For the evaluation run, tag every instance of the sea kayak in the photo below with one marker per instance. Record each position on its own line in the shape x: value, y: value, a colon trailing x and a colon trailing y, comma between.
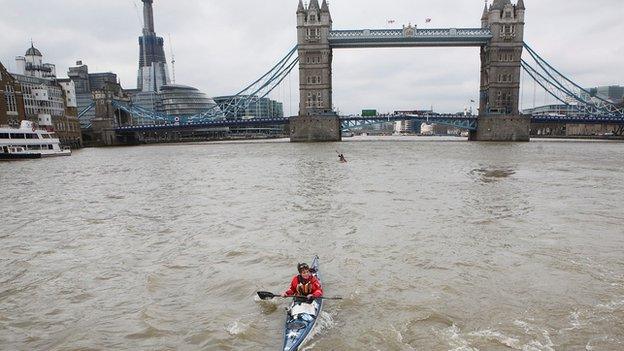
x: 301, y: 317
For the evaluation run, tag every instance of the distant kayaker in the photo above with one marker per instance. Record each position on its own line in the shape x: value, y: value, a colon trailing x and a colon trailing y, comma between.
x: 304, y: 284
x: 341, y: 158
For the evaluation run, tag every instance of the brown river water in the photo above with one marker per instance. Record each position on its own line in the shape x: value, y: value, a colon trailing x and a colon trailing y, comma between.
x: 434, y: 244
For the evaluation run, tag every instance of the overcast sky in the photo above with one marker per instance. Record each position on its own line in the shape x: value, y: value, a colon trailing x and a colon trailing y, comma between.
x: 220, y: 45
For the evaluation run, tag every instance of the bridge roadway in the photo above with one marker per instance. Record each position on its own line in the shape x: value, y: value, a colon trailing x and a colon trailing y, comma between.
x: 459, y: 121
x: 409, y: 37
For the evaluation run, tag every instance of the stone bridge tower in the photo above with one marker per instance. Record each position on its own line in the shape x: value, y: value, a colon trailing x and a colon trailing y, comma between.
x: 315, y: 58
x: 316, y: 120
x: 107, y: 117
x: 499, y: 115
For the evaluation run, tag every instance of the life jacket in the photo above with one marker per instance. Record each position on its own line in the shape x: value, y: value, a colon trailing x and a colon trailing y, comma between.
x: 304, y: 287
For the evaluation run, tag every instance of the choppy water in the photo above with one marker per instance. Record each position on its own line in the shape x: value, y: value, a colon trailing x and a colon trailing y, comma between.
x: 435, y: 245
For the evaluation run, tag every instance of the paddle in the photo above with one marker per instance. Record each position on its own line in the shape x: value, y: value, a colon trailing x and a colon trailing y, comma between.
x: 265, y: 295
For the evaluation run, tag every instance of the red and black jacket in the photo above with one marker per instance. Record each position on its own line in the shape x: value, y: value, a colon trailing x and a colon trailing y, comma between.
x: 302, y: 287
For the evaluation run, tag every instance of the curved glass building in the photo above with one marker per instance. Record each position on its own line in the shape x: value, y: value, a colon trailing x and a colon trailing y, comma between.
x: 184, y: 101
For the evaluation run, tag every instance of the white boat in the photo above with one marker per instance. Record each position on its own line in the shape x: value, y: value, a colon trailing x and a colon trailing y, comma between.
x: 27, y: 141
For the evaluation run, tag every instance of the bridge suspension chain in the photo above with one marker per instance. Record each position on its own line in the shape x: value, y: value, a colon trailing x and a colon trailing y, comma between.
x: 260, y: 88
x: 241, y: 101
x: 564, y: 89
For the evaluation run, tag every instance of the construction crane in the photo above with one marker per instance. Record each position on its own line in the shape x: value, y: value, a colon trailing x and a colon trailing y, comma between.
x: 172, y: 61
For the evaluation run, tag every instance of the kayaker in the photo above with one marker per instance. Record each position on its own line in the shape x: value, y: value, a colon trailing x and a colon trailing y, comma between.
x: 304, y: 284
x: 341, y: 158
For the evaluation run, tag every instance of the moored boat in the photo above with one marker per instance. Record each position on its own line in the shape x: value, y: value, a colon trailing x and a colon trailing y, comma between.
x: 27, y: 142
x: 301, y: 317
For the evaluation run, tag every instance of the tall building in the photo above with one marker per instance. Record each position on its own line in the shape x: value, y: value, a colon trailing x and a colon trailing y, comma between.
x: 153, y: 72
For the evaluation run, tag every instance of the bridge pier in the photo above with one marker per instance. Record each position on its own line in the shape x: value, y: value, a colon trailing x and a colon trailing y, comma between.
x: 315, y: 129
x: 502, y: 128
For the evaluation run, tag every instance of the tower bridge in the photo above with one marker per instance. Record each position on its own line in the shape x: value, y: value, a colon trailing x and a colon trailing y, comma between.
x: 501, y: 39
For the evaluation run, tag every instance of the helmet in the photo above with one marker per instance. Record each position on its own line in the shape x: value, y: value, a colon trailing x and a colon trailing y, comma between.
x: 302, y: 266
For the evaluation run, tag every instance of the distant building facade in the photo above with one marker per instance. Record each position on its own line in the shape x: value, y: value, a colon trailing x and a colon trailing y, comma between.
x: 31, y: 65
x: 12, y: 110
x: 182, y: 100
x: 48, y: 101
x: 554, y: 109
x: 559, y: 129
x: 407, y: 127
x: 263, y: 107
x: 613, y: 93
x: 85, y: 84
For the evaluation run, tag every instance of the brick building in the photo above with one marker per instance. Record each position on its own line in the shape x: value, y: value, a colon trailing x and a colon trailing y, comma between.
x: 11, y: 100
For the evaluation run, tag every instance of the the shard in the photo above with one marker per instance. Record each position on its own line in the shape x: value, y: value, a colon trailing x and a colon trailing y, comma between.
x: 153, y: 72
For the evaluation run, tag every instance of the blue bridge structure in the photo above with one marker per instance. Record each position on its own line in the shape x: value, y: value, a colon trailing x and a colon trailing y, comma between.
x: 504, y: 54
x: 465, y: 122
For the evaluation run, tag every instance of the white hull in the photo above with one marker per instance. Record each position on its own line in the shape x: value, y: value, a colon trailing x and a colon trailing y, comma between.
x: 29, y: 142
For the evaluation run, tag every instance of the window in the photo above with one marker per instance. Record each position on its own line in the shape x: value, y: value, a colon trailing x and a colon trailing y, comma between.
x: 32, y: 136
x: 504, y: 78
x: 314, y: 79
x: 506, y: 56
x: 507, y: 14
x: 11, y: 101
x: 17, y: 136
x: 313, y: 33
x: 508, y: 31
x: 313, y: 59
x: 314, y: 17
x: 4, y: 135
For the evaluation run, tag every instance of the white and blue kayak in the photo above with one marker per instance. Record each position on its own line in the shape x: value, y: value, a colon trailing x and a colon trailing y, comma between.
x: 301, y: 317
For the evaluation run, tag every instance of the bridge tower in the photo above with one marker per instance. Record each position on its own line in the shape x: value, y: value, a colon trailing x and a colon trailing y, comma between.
x: 499, y: 116
x: 316, y: 120
x: 107, y: 117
